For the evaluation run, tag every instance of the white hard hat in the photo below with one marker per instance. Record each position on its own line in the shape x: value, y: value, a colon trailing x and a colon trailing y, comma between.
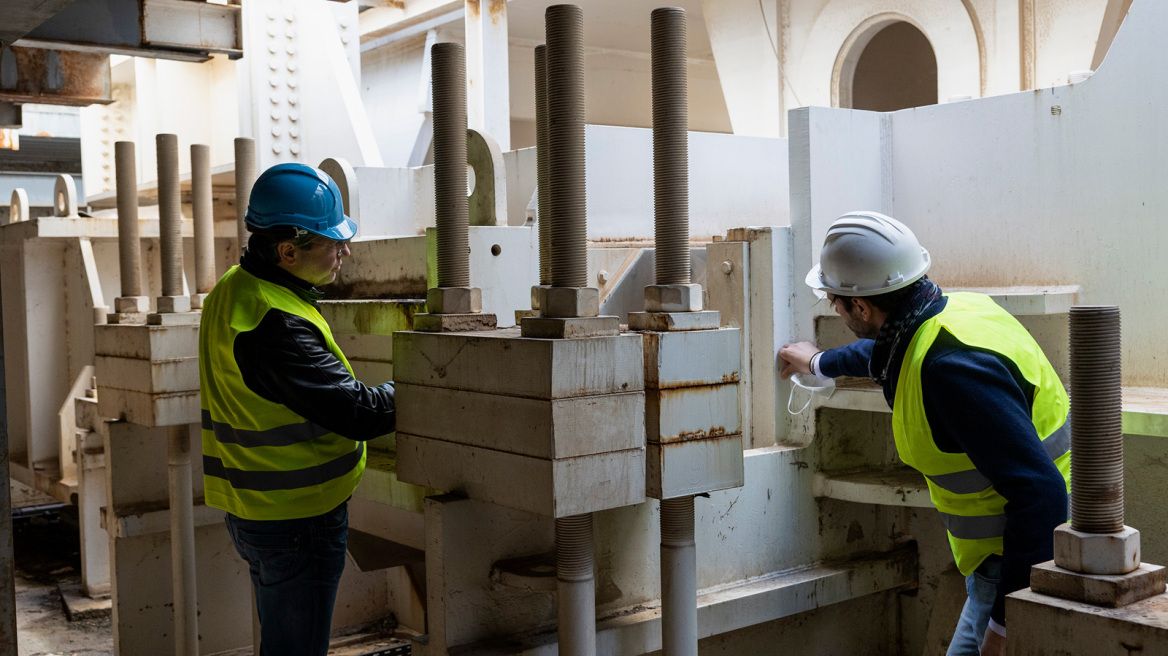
x: 865, y: 254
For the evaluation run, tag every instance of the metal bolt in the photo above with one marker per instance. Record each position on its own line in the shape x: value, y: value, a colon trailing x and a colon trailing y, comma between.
x: 670, y: 146
x: 448, y: 75
x: 169, y: 215
x: 1055, y: 110
x: 727, y: 267
x: 1096, y: 419
x: 201, y: 207
x: 129, y: 246
x: 564, y: 27
x: 245, y: 175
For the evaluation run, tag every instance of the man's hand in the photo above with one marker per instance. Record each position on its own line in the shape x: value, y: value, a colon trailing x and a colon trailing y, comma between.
x: 796, y: 359
x: 993, y: 644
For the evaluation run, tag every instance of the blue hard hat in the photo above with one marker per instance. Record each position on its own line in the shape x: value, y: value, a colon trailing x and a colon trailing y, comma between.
x: 301, y: 196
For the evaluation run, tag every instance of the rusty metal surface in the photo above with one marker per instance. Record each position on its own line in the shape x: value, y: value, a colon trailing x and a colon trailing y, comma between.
x: 54, y: 77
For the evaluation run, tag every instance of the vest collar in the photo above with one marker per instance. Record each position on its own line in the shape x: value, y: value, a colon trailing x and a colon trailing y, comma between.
x: 256, y: 266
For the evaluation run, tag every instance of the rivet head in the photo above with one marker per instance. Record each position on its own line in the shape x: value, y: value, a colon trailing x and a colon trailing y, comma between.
x: 274, y: 81
x: 345, y: 21
x: 292, y: 83
x: 273, y: 64
x: 345, y: 39
x: 294, y: 149
x: 272, y: 31
x: 293, y: 99
x: 294, y: 132
x: 290, y: 33
x: 277, y: 148
x: 293, y: 115
x: 276, y: 114
x: 291, y: 49
x: 291, y: 67
x: 273, y: 48
x: 276, y: 131
x: 727, y: 267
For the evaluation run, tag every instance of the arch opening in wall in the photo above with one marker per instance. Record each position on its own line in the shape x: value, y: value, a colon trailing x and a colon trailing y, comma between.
x: 888, y: 64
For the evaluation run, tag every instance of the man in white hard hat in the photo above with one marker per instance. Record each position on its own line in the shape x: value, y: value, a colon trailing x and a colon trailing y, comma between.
x: 976, y: 408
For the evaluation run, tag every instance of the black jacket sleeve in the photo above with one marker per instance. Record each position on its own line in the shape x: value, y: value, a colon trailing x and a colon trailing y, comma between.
x: 974, y: 403
x: 285, y: 360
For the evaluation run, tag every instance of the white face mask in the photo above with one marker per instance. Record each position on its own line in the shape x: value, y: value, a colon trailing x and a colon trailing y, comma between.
x: 813, y: 385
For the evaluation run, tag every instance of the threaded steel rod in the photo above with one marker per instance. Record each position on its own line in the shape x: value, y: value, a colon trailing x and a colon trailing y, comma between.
x: 182, y: 540
x: 169, y: 215
x: 448, y: 68
x: 204, y: 222
x: 541, y: 167
x: 670, y: 146
x: 575, y: 586
x: 564, y: 25
x: 679, y: 582
x: 129, y: 245
x: 1096, y: 419
x: 245, y: 175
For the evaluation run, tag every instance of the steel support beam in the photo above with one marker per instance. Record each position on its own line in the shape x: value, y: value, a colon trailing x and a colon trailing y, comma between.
x: 54, y: 77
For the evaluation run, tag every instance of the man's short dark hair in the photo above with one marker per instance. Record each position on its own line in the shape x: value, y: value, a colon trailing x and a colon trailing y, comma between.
x: 263, y: 242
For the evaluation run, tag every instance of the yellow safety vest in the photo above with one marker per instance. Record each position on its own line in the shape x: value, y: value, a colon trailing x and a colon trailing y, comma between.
x: 261, y: 460
x: 972, y: 511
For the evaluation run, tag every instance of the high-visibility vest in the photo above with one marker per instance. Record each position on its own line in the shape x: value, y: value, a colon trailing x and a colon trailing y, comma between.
x: 971, y: 509
x: 261, y: 460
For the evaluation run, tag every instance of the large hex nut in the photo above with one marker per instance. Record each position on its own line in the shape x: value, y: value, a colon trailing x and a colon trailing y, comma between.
x: 131, y: 304
x: 1097, y: 553
x: 454, y: 300
x: 570, y: 302
x: 174, y: 304
x: 673, y: 298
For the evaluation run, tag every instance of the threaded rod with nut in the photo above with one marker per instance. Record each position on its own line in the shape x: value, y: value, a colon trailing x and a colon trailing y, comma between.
x: 201, y: 200
x: 564, y: 25
x: 670, y: 146
x: 541, y: 167
x: 245, y: 175
x: 129, y: 245
x: 169, y: 215
x: 1096, y: 419
x: 448, y: 68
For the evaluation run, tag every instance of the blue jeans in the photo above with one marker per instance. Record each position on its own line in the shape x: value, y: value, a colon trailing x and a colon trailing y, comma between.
x: 982, y: 588
x: 295, y: 566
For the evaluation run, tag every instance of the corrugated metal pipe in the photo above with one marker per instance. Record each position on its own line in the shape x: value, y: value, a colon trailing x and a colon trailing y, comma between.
x: 541, y: 167
x: 448, y: 73
x: 575, y: 585
x: 679, y: 578
x: 245, y: 175
x: 1096, y: 419
x: 670, y: 145
x: 182, y: 540
x: 169, y: 215
x: 129, y: 245
x: 201, y: 207
x: 564, y: 27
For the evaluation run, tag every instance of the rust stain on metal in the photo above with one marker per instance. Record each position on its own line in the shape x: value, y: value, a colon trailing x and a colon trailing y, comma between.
x: 58, y: 77
x: 496, y: 9
x: 472, y: 8
x: 714, y: 433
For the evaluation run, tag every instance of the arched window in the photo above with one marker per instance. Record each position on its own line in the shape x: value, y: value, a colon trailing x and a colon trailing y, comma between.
x: 896, y: 69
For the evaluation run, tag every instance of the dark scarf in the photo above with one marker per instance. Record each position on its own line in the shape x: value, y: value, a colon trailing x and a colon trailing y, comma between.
x: 258, y: 267
x: 898, y: 331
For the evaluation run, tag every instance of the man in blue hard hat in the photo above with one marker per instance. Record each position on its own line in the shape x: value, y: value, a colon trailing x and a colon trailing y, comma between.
x: 284, y: 420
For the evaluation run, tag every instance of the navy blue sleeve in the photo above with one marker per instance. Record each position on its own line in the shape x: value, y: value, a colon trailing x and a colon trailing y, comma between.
x: 850, y: 360
x: 973, y: 400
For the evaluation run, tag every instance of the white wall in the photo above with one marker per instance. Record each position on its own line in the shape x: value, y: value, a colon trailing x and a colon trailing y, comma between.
x: 1004, y: 192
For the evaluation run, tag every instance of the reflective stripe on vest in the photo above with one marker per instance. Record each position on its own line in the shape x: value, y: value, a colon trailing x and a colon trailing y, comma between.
x: 971, y: 509
x: 971, y: 480
x: 261, y: 460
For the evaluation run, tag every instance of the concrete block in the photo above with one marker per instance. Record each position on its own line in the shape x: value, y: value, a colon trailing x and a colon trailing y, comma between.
x: 365, y: 347
x: 171, y: 304
x: 132, y: 304
x: 569, y: 302
x: 155, y: 343
x: 1111, y: 591
x: 543, y: 327
x: 1042, y: 625
x: 691, y: 413
x: 700, y: 357
x: 174, y: 318
x: 503, y: 362
x: 673, y: 298
x: 370, y: 316
x: 553, y: 488
x: 1097, y: 553
x: 126, y: 317
x: 197, y: 301
x: 673, y: 321
x: 454, y: 300
x: 454, y: 323
x: 687, y: 468
x: 556, y: 428
x: 371, y: 372
x: 145, y: 409
x: 177, y: 375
